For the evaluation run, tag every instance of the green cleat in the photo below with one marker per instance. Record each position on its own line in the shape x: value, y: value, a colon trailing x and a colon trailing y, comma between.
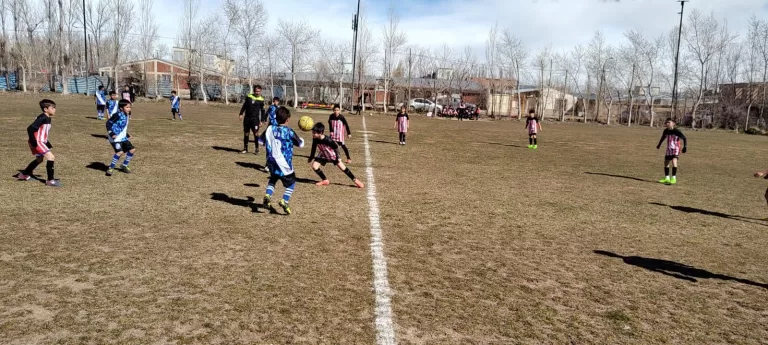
x: 530, y: 147
x: 673, y: 180
x: 535, y: 147
x: 664, y: 180
x: 267, y: 203
x: 285, y: 207
x: 110, y: 171
x: 125, y: 169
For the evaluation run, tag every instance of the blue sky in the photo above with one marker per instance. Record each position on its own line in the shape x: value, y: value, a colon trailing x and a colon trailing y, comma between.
x: 558, y: 23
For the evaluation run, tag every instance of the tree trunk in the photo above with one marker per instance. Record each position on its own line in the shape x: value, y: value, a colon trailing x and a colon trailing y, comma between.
x: 295, y: 91
x: 64, y: 52
x: 202, y: 80
x: 517, y: 88
x: 585, y: 100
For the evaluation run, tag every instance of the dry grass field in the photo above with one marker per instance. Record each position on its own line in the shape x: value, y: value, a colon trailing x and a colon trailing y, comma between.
x: 487, y: 242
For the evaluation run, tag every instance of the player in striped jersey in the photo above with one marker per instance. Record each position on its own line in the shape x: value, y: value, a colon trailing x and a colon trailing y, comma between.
x: 338, y: 125
x: 101, y: 103
x: 673, y: 137
x: 128, y: 96
x: 175, y: 105
x: 327, y: 152
x: 279, y: 141
x: 533, y: 126
x: 40, y: 145
x: 401, y: 124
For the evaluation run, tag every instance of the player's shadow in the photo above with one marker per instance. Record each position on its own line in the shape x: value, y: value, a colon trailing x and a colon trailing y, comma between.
x: 311, y: 181
x: 687, y: 209
x: 101, y: 136
x: 255, y: 185
x: 99, y: 166
x: 251, y: 166
x: 620, y: 176
x: 676, y: 269
x: 249, y: 202
x: 32, y: 177
x: 227, y: 149
x: 92, y: 117
x: 383, y: 142
x: 507, y: 145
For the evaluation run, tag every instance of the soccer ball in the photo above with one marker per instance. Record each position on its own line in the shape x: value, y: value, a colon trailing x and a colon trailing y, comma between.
x: 306, y: 123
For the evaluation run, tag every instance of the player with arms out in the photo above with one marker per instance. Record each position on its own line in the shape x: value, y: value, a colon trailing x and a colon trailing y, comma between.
x: 175, y: 105
x: 253, y: 108
x: 39, y: 144
x: 279, y: 141
x: 338, y: 128
x: 673, y: 137
x: 533, y: 126
x: 119, y: 138
x: 328, y: 153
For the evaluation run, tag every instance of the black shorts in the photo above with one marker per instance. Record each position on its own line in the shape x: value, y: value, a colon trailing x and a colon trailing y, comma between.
x: 669, y: 158
x: 250, y: 124
x: 174, y: 111
x: 323, y: 161
x: 288, y: 180
x: 101, y: 107
x: 531, y: 135
x: 124, y: 146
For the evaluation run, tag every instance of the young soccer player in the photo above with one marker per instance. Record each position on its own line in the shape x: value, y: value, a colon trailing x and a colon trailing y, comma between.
x: 101, y: 103
x: 175, y: 105
x: 119, y: 138
x: 278, y: 141
x: 533, y: 126
x: 338, y: 125
x: 112, y: 104
x: 128, y: 96
x: 673, y: 137
x: 253, y: 107
x: 401, y: 124
x: 328, y: 153
x: 39, y: 144
x: 272, y: 111
x: 763, y: 174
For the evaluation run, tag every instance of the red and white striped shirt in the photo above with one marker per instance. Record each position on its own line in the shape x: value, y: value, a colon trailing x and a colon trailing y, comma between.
x: 339, y: 127
x: 38, y: 130
x: 402, y: 122
x: 326, y: 149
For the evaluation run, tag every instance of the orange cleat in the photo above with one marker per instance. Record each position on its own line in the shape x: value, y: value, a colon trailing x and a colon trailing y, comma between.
x: 359, y: 184
x: 323, y: 183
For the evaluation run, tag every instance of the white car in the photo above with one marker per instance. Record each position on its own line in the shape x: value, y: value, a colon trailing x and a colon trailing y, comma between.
x: 422, y: 104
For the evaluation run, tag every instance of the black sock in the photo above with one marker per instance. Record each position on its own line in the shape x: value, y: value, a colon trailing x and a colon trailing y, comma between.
x: 403, y: 137
x: 530, y: 141
x: 674, y: 171
x: 245, y: 142
x: 349, y: 174
x: 346, y: 151
x: 535, y: 141
x: 320, y: 173
x: 666, y: 171
x: 31, y: 167
x: 49, y: 169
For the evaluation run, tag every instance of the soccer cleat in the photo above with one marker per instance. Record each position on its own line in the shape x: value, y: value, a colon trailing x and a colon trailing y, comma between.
x: 359, y: 184
x: 530, y: 147
x: 285, y: 207
x: 22, y: 177
x: 535, y: 147
x: 110, y: 171
x: 53, y: 183
x: 244, y: 151
x: 125, y: 169
x: 323, y: 183
x: 665, y: 180
x: 267, y: 203
x: 673, y: 180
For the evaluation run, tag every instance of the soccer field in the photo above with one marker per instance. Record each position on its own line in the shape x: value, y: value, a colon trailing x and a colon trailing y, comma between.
x: 486, y: 241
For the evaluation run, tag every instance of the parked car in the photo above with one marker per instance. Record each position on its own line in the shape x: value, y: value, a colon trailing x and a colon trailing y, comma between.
x: 422, y: 104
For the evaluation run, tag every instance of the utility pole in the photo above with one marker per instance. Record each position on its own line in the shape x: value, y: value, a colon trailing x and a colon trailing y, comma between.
x: 677, y: 57
x: 341, y: 81
x: 565, y: 100
x: 410, y: 62
x: 354, y: 53
x: 85, y: 41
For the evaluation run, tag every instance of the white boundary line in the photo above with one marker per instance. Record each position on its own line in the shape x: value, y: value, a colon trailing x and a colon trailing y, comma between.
x: 385, y: 331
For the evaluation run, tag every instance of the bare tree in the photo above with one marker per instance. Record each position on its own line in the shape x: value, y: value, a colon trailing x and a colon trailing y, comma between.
x: 464, y: 69
x: 63, y: 50
x: 762, y: 47
x: 147, y: 37
x: 514, y: 52
x: 575, y: 63
x: 186, y: 37
x: 491, y: 57
x: 331, y: 55
x: 366, y: 52
x: 248, y: 28
x: 5, y: 58
x: 26, y: 18
x: 394, y: 40
x: 121, y: 25
x: 298, y: 35
x: 704, y: 39
x: 99, y: 17
x: 753, y: 52
x: 598, y: 53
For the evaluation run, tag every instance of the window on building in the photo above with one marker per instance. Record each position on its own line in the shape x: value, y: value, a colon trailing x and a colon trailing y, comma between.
x: 178, y: 56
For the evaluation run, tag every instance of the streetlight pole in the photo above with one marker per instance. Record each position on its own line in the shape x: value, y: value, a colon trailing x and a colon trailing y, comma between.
x: 354, y: 55
x: 85, y: 41
x: 677, y: 59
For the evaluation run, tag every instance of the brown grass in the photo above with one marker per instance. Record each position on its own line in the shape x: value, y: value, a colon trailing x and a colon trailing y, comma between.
x: 488, y: 242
